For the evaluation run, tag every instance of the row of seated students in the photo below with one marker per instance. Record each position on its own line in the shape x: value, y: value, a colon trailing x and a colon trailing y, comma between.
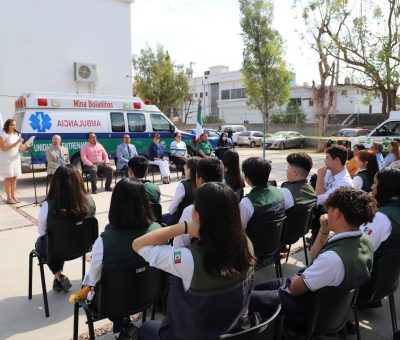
x: 211, y: 252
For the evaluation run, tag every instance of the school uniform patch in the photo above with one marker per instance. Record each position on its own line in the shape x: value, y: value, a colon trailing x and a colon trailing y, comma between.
x: 177, y: 257
x: 367, y: 230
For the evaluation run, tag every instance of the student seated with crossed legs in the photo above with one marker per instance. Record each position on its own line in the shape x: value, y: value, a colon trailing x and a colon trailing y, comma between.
x: 345, y: 260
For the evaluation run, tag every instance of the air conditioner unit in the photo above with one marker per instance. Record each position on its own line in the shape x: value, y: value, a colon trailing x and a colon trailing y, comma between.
x: 85, y: 72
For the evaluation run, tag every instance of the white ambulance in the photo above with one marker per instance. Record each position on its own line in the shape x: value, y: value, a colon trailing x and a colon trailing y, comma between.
x: 72, y: 116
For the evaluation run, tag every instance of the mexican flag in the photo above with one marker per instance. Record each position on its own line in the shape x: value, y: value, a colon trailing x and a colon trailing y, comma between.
x: 199, y: 123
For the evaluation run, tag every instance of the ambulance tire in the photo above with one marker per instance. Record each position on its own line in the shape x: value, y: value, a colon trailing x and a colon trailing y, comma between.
x: 76, y: 162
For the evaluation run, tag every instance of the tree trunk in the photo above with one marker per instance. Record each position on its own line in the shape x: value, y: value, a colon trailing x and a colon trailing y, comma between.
x: 322, y: 131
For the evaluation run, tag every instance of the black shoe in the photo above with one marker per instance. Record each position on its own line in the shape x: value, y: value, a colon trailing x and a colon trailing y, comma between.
x: 94, y: 191
x: 108, y: 189
x: 65, y: 283
x: 57, y: 285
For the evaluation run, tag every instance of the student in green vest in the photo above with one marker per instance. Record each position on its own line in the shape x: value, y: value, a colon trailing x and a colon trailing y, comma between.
x: 297, y: 190
x: 264, y: 202
x: 67, y: 200
x: 184, y: 193
x: 130, y: 217
x: 384, y: 230
x: 211, y: 283
x: 204, y: 147
x: 345, y: 260
x: 367, y: 168
x: 138, y: 167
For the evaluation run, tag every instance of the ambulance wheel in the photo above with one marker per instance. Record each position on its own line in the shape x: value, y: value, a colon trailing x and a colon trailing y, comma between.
x: 76, y: 162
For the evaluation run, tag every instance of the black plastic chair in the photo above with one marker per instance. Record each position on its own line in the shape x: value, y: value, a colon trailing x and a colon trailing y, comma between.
x: 384, y: 282
x: 119, y: 172
x: 297, y: 225
x: 177, y: 167
x: 122, y: 290
x: 268, y: 330
x: 157, y: 211
x: 330, y: 311
x: 266, y: 239
x: 66, y: 240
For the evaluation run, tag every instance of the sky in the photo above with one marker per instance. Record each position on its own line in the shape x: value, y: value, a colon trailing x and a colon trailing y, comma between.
x: 207, y: 33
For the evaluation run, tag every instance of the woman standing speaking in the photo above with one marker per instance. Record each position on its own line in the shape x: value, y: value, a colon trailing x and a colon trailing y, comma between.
x: 10, y: 159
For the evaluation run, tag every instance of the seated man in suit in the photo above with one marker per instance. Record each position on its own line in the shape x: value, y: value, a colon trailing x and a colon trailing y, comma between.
x: 56, y: 155
x: 138, y: 167
x: 297, y: 190
x: 264, y: 202
x: 125, y: 152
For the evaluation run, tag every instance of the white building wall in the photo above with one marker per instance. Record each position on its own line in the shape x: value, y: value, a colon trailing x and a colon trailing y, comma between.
x: 236, y: 111
x: 41, y: 40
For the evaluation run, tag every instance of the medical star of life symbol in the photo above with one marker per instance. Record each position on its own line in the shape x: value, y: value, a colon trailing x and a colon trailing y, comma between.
x: 40, y: 121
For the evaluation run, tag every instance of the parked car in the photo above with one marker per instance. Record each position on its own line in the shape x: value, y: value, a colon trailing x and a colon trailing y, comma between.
x: 348, y: 133
x: 250, y: 138
x: 351, y: 132
x: 236, y: 129
x: 285, y: 139
x: 213, y: 136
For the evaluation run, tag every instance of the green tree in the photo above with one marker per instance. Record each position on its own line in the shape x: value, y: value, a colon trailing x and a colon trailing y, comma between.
x: 367, y: 36
x: 157, y: 79
x: 265, y: 72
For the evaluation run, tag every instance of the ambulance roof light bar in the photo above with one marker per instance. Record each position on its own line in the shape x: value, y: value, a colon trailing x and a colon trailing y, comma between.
x: 42, y: 101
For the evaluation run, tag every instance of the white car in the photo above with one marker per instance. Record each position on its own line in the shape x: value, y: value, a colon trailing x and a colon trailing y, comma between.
x: 250, y: 138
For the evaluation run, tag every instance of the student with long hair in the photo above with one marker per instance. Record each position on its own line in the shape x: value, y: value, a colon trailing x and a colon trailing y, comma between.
x: 367, y: 168
x: 393, y: 155
x: 66, y: 200
x: 130, y: 217
x: 224, y: 144
x: 10, y: 159
x: 210, y: 287
x: 232, y: 175
x: 184, y: 193
x: 384, y: 230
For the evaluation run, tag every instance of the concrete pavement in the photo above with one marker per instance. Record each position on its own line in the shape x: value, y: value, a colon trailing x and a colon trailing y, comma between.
x: 24, y: 319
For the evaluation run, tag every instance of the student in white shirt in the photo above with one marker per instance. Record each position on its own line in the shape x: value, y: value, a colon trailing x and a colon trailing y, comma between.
x: 334, y: 174
x: 345, y: 260
x: 66, y: 200
x: 184, y: 193
x: 211, y: 283
x: 207, y: 170
x: 367, y: 168
x: 130, y: 216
